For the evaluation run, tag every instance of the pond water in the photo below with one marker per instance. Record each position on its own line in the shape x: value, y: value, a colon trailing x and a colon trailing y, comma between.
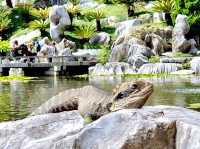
x: 18, y: 99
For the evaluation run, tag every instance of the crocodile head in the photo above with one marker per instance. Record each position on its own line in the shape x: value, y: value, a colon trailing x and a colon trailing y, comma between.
x: 131, y: 95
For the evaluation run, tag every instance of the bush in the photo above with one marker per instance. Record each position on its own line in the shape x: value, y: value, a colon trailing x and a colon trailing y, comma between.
x: 40, y: 13
x: 4, y: 21
x: 42, y: 25
x: 154, y: 59
x: 4, y: 46
x: 190, y: 8
x: 104, y: 55
x: 166, y: 6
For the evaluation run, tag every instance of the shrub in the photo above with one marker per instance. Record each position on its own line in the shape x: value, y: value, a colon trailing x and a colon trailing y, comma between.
x: 190, y: 8
x: 73, y: 10
x: 42, y: 25
x: 104, y: 55
x: 166, y: 6
x: 23, y: 11
x: 96, y: 14
x: 4, y: 20
x: 40, y: 13
x: 154, y: 59
x: 84, y: 31
x: 4, y: 46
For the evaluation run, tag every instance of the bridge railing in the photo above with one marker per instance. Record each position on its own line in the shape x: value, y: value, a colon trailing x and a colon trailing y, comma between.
x: 44, y: 59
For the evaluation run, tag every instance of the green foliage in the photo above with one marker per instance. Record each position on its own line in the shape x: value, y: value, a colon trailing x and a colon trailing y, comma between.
x: 40, y: 13
x: 4, y: 46
x: 42, y: 25
x: 104, y: 55
x: 23, y: 11
x: 194, y: 106
x: 85, y: 30
x: 190, y: 8
x: 154, y: 59
x: 74, y: 2
x: 186, y: 65
x: 73, y: 9
x: 4, y: 19
x: 94, y: 14
x: 166, y: 6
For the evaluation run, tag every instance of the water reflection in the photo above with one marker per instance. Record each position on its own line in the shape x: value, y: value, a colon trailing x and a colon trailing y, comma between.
x: 18, y: 99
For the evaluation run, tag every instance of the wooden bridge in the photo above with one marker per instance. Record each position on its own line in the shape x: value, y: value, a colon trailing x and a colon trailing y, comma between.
x: 56, y: 65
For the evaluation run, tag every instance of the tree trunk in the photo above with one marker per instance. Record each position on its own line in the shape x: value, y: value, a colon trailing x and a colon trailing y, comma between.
x: 9, y: 3
x: 98, y: 23
x: 168, y: 19
x: 130, y: 11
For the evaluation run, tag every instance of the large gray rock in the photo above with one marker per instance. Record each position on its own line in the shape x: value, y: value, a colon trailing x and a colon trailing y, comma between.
x: 195, y: 64
x: 100, y: 38
x: 158, y: 127
x: 159, y: 68
x: 59, y: 19
x: 114, y: 68
x: 179, y: 41
x: 40, y: 131
x: 180, y: 60
x: 132, y: 49
x: 124, y: 28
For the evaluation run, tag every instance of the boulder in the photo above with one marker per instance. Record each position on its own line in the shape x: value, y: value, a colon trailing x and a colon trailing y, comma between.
x: 131, y: 49
x: 113, y: 68
x: 180, y: 60
x: 100, y: 38
x: 59, y: 19
x: 158, y: 17
x: 179, y: 41
x: 40, y: 131
x: 156, y: 43
x: 124, y: 28
x: 160, y: 127
x: 159, y: 68
x: 195, y: 64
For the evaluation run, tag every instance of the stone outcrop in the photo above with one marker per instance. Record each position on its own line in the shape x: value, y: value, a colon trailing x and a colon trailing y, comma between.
x: 113, y: 68
x: 195, y: 64
x: 100, y: 38
x: 59, y: 19
x: 156, y: 43
x: 180, y: 60
x: 159, y: 68
x: 179, y: 41
x: 132, y: 50
x: 124, y: 28
x: 150, y: 127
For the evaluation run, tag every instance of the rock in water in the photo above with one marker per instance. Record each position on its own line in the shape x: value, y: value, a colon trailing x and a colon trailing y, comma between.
x: 159, y: 68
x: 195, y: 64
x: 113, y: 68
x: 59, y: 19
x: 179, y: 41
x: 160, y: 127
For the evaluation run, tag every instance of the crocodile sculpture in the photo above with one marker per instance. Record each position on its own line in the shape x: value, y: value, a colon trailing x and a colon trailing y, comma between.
x: 93, y: 102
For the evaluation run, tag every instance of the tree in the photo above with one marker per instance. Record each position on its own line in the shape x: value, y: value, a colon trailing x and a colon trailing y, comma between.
x: 166, y: 6
x: 96, y: 14
x: 190, y: 8
x: 130, y: 6
x: 9, y: 3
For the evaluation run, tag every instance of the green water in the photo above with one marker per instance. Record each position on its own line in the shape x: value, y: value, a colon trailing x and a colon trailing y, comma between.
x: 18, y: 99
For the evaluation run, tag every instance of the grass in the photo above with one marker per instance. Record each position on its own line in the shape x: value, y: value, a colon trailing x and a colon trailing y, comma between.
x: 118, y: 10
x: 20, y: 32
x: 194, y: 106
